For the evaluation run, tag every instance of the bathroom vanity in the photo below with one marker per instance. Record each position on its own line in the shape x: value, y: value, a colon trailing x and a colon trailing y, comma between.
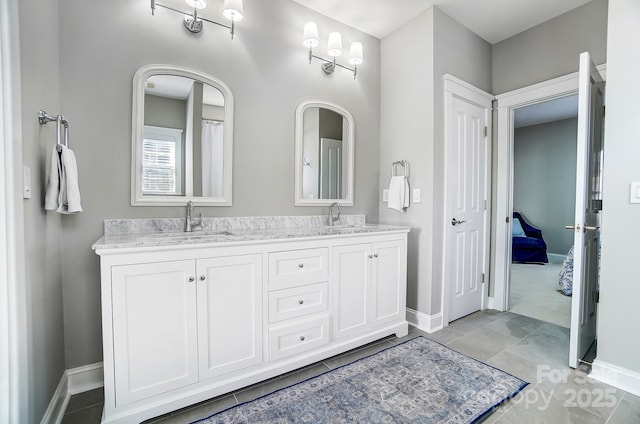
x: 190, y: 316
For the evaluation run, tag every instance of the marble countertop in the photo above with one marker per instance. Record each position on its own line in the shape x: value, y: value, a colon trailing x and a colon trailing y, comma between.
x: 143, y: 240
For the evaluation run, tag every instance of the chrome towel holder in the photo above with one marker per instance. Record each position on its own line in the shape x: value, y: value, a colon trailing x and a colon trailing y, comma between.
x: 405, y: 168
x: 44, y: 118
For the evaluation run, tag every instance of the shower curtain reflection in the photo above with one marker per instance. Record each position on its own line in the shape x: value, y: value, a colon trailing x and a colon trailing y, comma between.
x: 212, y: 158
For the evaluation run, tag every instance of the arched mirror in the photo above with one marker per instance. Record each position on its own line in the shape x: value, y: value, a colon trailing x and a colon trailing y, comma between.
x: 324, y: 152
x: 182, y: 143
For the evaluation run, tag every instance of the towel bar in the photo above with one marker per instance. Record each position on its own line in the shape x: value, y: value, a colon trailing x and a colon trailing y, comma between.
x: 45, y: 118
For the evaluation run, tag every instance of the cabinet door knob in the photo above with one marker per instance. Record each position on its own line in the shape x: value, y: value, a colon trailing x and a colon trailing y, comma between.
x: 192, y: 279
x: 301, y: 301
x: 202, y: 278
x: 370, y: 256
x: 375, y: 256
x: 300, y: 265
x: 302, y: 338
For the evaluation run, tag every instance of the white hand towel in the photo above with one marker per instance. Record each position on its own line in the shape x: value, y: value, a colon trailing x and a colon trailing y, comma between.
x: 398, y: 196
x: 53, y: 182
x: 69, y: 196
x: 63, y: 194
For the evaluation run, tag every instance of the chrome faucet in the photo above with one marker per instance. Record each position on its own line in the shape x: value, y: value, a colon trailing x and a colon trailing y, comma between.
x: 333, y: 218
x: 190, y: 224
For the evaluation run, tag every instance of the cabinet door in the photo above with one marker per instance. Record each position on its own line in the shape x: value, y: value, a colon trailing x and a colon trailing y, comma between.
x: 350, y: 271
x: 389, y: 280
x: 229, y: 314
x: 154, y: 328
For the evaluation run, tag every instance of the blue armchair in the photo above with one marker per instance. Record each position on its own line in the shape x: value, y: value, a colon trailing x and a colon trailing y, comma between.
x: 532, y: 248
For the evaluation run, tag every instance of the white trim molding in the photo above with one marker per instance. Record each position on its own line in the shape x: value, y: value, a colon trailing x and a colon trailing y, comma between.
x: 424, y: 322
x: 616, y: 376
x: 72, y: 382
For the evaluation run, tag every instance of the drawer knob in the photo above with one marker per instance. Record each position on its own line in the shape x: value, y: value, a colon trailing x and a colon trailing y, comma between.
x: 301, y: 301
x: 202, y: 278
x: 192, y: 279
x: 300, y: 265
x: 302, y: 338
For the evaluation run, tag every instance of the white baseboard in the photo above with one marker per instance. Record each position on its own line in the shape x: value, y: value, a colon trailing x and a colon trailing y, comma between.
x: 424, y: 322
x: 73, y: 381
x: 83, y: 379
x: 616, y: 376
x: 58, y: 404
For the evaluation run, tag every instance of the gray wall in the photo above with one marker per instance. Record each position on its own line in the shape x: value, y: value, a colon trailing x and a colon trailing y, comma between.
x: 551, y: 49
x: 544, y: 181
x: 42, y: 235
x: 165, y: 112
x: 619, y: 289
x: 267, y: 70
x: 414, y: 59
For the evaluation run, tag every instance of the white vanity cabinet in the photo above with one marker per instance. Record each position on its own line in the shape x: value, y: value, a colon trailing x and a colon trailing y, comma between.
x: 184, y: 323
x: 369, y: 286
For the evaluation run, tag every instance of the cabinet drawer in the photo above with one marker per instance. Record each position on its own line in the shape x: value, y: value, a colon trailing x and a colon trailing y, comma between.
x: 298, y: 337
x: 302, y: 266
x: 297, y: 301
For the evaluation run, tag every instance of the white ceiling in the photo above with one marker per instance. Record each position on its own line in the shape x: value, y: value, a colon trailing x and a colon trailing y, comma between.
x: 176, y: 87
x: 493, y: 20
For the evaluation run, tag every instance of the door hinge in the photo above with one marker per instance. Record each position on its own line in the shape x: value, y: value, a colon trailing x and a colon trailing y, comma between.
x: 486, y: 131
x: 483, y: 277
x: 485, y: 205
x: 604, y: 110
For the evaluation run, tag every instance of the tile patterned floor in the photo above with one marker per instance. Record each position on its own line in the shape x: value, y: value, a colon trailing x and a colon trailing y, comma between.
x: 533, y: 350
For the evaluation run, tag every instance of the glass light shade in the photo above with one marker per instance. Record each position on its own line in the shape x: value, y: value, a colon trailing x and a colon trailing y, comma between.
x: 198, y: 4
x: 233, y: 10
x: 356, y: 56
x: 311, y: 39
x: 334, y: 46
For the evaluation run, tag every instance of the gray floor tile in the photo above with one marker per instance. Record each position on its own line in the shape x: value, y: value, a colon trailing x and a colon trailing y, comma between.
x: 628, y: 411
x: 514, y: 365
x: 86, y: 399
x: 473, y: 321
x: 536, y: 406
x: 483, y: 343
x: 197, y: 412
x: 548, y: 345
x: 516, y: 325
x: 90, y: 415
x: 444, y: 336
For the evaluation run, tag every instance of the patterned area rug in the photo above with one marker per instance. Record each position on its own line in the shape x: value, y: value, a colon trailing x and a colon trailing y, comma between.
x: 418, y: 381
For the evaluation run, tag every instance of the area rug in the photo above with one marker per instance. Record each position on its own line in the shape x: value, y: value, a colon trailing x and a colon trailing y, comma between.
x: 418, y: 381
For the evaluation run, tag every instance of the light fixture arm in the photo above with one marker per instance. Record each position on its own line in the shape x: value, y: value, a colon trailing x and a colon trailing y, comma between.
x: 328, y: 66
x: 193, y: 22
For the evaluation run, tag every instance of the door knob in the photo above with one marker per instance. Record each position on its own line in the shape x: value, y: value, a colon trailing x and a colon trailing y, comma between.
x: 455, y: 222
x: 202, y: 278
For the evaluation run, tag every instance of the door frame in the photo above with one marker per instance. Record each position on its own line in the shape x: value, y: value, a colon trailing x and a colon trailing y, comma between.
x: 457, y: 88
x: 14, y: 344
x: 507, y: 103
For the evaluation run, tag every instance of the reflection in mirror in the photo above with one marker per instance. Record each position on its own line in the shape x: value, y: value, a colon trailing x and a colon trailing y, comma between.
x: 182, y: 143
x: 324, y: 155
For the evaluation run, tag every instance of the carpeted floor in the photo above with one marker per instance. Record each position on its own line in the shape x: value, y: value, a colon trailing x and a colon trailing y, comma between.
x: 416, y: 381
x: 534, y: 293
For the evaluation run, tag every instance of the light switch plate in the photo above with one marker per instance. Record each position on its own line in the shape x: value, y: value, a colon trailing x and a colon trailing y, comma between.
x: 26, y: 182
x: 634, y: 195
x: 416, y: 195
x: 385, y: 195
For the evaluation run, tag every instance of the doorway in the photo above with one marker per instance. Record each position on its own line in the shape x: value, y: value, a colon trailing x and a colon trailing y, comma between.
x: 544, y: 170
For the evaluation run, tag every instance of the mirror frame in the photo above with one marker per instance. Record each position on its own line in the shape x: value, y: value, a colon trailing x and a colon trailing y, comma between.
x: 137, y: 119
x: 299, y: 153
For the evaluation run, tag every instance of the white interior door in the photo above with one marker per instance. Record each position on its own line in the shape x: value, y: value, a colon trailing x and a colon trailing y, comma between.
x: 467, y: 156
x: 330, y: 168
x: 586, y: 226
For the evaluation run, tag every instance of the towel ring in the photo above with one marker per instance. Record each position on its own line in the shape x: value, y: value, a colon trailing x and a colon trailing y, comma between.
x: 405, y: 168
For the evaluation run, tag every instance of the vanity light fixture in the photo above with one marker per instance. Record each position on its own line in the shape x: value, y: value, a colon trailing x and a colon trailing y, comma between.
x: 334, y: 49
x: 232, y: 10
